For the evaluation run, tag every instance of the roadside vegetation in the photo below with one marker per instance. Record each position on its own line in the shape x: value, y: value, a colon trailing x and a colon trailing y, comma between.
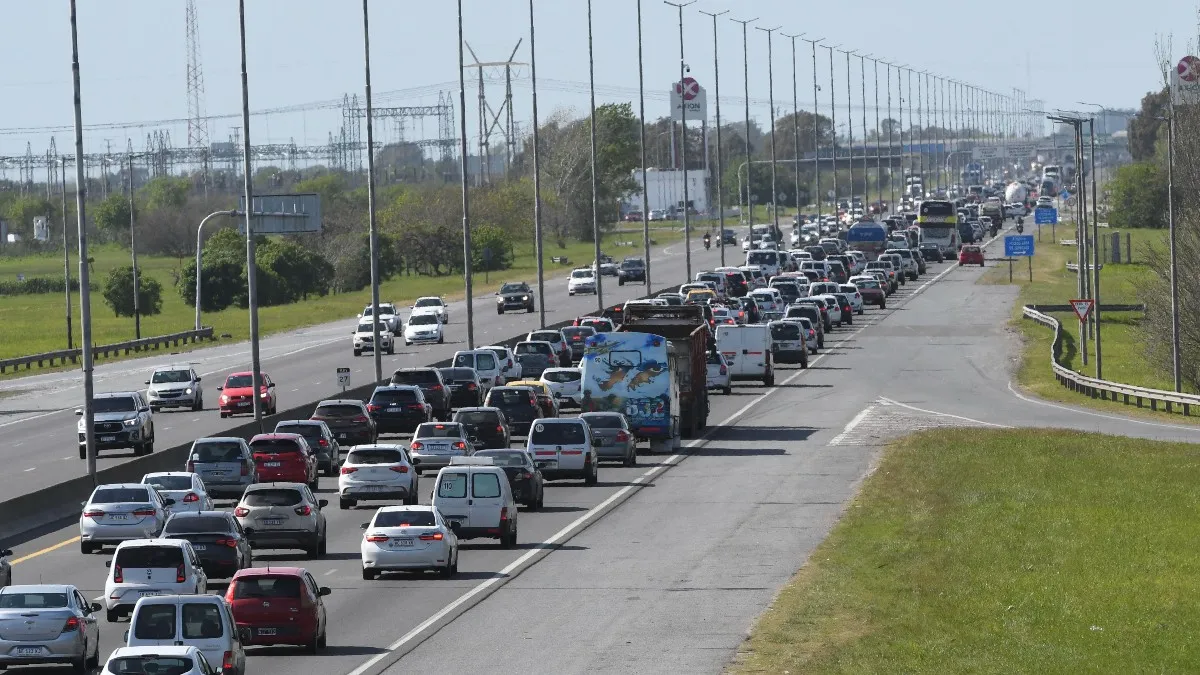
x: 984, y: 551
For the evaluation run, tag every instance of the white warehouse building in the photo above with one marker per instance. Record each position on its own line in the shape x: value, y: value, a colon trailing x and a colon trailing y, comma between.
x: 664, y: 190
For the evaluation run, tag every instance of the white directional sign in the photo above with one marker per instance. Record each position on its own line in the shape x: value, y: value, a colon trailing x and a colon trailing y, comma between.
x: 693, y: 96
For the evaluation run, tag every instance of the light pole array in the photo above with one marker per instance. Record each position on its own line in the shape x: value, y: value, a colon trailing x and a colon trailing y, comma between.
x: 595, y: 184
x: 720, y: 167
x: 746, y: 94
x: 771, y: 103
x: 816, y: 130
x: 795, y: 122
x: 642, y: 152
x: 683, y: 141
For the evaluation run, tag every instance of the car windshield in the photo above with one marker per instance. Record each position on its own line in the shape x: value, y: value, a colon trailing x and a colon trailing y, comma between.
x: 604, y: 421
x: 238, y: 381
x: 581, y: 274
x: 863, y: 283
x: 120, y: 495
x: 375, y: 456
x: 149, y: 556
x: 187, y: 524
x: 557, y: 433
x: 367, y: 328
x: 394, y: 396
x: 633, y: 264
x: 561, y: 376
x: 550, y: 336
x: 428, y: 377
x: 151, y: 663
x: 266, y: 587
x: 274, y: 446
x: 439, y: 431
x: 429, y: 302
x: 114, y: 404
x: 338, y: 410
x: 217, y: 451
x: 32, y: 600
x: 578, y: 333
x: 533, y: 348
x: 505, y: 457
x: 405, y: 519
x: 506, y: 398
x: 513, y: 288
x: 423, y: 320
x: 272, y: 497
x: 457, y: 374
x: 169, y: 376
x: 169, y: 482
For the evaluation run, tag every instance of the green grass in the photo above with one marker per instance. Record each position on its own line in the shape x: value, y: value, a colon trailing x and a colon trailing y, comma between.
x: 31, y: 324
x: 981, y: 551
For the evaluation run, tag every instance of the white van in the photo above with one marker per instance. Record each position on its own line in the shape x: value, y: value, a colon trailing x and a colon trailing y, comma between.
x: 476, y: 501
x: 747, y: 349
x: 201, y: 621
x: 563, y: 448
x: 484, y: 362
x: 767, y: 261
x: 148, y: 567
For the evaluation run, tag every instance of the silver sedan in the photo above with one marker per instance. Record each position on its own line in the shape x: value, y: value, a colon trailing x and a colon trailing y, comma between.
x: 613, y: 439
x: 47, y: 624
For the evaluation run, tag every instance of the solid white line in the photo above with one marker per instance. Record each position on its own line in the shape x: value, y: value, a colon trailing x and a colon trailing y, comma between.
x: 889, y: 401
x: 1118, y: 418
x: 850, y: 427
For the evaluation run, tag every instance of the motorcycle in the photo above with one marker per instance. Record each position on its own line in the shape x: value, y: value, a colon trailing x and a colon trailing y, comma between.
x: 1020, y: 225
x: 707, y: 242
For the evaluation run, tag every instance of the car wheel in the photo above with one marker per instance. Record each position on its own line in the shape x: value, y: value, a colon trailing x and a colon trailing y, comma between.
x: 804, y: 363
x: 391, y: 350
x: 85, y: 547
x: 508, y: 539
x: 499, y: 310
x: 344, y: 504
x: 313, y: 550
x: 369, y: 575
x: 224, y: 415
x: 112, y: 616
x: 528, y: 311
x: 593, y: 477
x: 358, y: 352
x: 769, y: 380
x: 454, y: 565
x: 83, y: 452
x: 631, y: 459
x: 441, y: 340
x: 727, y: 390
x: 447, y: 570
x: 407, y: 343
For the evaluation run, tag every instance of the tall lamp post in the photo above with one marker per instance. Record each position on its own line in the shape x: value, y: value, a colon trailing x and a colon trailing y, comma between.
x: 683, y: 142
x: 771, y: 102
x: 746, y: 131
x: 642, y: 148
x: 795, y: 123
x: 849, y: 126
x: 816, y: 130
x: 595, y: 184
x: 720, y: 171
x: 833, y: 126
x: 251, y: 263
x: 537, y: 171
x: 376, y: 352
x: 462, y: 169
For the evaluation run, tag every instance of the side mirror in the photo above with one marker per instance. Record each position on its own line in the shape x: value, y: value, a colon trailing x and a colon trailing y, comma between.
x: 108, y: 563
x: 323, y: 591
x: 147, y: 381
x: 454, y: 525
x: 95, y: 607
x: 354, y: 332
x: 79, y: 413
x: 322, y: 503
x: 199, y: 378
x: 168, y: 502
x: 126, y: 636
x: 5, y: 553
x: 364, y: 526
x: 220, y: 388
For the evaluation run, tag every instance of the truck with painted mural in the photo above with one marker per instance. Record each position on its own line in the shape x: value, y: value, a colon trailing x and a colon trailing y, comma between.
x: 686, y: 328
x: 631, y: 373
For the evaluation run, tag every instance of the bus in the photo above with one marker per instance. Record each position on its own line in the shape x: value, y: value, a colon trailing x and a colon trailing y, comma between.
x: 869, y: 237
x: 938, y: 220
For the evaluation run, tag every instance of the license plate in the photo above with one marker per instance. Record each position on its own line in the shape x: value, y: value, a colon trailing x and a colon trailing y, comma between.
x: 27, y: 651
x: 243, y: 404
x: 272, y: 521
x: 394, y: 410
x: 374, y: 488
x: 266, y: 631
x: 547, y: 464
x: 118, y: 516
x: 148, y: 594
x: 200, y: 547
x: 107, y: 439
x: 342, y: 436
x: 216, y: 473
x: 401, y: 543
x: 272, y: 465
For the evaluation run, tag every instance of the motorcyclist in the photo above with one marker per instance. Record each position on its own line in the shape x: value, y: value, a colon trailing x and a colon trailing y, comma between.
x: 707, y: 241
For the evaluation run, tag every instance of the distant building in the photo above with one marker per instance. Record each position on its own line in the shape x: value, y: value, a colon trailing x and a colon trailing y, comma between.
x: 664, y: 190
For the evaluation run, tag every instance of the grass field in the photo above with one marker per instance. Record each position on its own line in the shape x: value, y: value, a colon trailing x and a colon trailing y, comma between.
x: 979, y: 551
x: 32, y: 324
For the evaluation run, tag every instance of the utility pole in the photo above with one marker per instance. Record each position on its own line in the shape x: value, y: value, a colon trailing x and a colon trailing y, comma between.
x: 795, y: 124
x: 746, y: 95
x: 376, y: 350
x: 1095, y: 247
x: 642, y: 148
x: 833, y: 124
x: 462, y: 167
x: 683, y: 142
x: 720, y: 170
x: 251, y: 251
x: 862, y: 80
x: 66, y: 252
x: 878, y: 143
x: 137, y: 314
x: 849, y: 129
x: 537, y: 170
x: 1175, y: 353
x: 816, y: 131
x: 595, y: 185
x: 771, y: 103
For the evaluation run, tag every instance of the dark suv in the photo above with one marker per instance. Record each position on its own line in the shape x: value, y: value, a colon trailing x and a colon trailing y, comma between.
x: 320, y: 439
x: 437, y: 394
x: 399, y: 409
x: 632, y: 269
x: 348, y: 419
x: 465, y: 388
x: 519, y: 405
x: 577, y: 338
x: 486, y: 427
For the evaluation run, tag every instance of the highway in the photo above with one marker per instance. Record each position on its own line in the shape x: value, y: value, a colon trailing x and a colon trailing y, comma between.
x: 37, y: 412
x: 663, y: 567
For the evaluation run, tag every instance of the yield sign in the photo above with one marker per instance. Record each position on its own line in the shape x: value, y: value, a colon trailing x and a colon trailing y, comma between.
x: 691, y: 88
x: 1082, y: 308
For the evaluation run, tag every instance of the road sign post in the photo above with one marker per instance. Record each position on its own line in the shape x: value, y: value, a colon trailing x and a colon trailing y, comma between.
x: 1082, y: 308
x: 343, y: 378
x: 1019, y: 246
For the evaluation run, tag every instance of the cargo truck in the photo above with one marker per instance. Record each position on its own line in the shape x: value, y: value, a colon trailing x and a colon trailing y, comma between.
x: 685, y: 327
x: 633, y: 374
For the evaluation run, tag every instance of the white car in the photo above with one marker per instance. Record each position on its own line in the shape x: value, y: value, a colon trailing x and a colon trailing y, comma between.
x: 176, y: 386
x: 718, y: 373
x: 151, y: 567
x: 768, y: 299
x: 388, y: 316
x: 423, y: 328
x: 374, y: 472
x: 834, y: 308
x: 562, y: 448
x: 364, y: 338
x: 565, y: 385
x: 583, y: 280
x: 432, y: 304
x: 120, y: 512
x: 408, y: 538
x: 177, y: 660
x: 510, y: 367
x: 184, y: 487
x: 851, y: 292
x: 808, y: 330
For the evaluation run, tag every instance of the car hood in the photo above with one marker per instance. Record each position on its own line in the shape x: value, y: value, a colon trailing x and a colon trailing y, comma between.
x: 515, y: 296
x: 239, y: 391
x: 168, y: 386
x: 115, y: 416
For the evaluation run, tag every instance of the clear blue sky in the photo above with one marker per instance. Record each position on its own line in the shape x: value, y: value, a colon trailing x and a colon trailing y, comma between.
x: 133, y: 56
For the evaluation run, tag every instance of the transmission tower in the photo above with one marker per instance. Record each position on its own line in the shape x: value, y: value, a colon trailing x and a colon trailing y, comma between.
x: 197, y: 124
x: 490, y: 120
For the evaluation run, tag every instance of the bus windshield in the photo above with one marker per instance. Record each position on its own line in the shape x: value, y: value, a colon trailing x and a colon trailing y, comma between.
x: 937, y: 211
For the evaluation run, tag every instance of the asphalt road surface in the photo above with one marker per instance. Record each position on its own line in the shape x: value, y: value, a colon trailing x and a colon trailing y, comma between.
x: 663, y: 567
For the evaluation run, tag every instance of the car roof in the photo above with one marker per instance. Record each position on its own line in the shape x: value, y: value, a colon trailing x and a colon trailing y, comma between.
x: 142, y: 543
x: 120, y: 485
x: 220, y: 439
x: 397, y: 387
x: 307, y: 423
x: 169, y: 473
x: 378, y: 446
x: 114, y: 394
x: 400, y: 508
x: 276, y: 436
x: 280, y: 484
x: 198, y: 514
x: 173, y: 599
x: 479, y: 408
x: 38, y: 588
x: 270, y: 570
x: 340, y: 401
x: 562, y: 369
x: 160, y: 650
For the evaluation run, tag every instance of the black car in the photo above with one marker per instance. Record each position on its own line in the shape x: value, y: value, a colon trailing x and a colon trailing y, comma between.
x: 524, y: 477
x: 750, y: 307
x: 519, y: 405
x: 514, y: 296
x: 320, y: 439
x: 534, y: 364
x: 348, y: 419
x: 931, y: 252
x: 437, y: 394
x: 632, y: 269
x: 217, y: 538
x: 486, y: 427
x: 728, y: 237
x: 465, y: 388
x: 818, y: 313
x: 837, y: 272
x: 576, y: 338
x: 399, y: 409
x: 817, y: 252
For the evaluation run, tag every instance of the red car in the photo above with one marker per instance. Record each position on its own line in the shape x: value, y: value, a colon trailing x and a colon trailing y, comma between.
x: 279, y: 606
x: 237, y: 392
x: 633, y: 217
x: 285, y: 458
x: 970, y: 255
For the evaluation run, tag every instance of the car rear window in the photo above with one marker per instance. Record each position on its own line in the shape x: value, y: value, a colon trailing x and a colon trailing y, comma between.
x: 154, y: 622
x: 272, y: 497
x: 601, y: 326
x: 578, y: 332
x: 550, y: 336
x: 32, y: 600
x: 169, y: 482
x: 338, y: 410
x: 505, y: 457
x: 120, y: 495
x: 438, y: 431
x: 266, y: 587
x: 458, y: 374
x: 152, y: 663
x: 149, y: 556
x: 559, y: 376
x: 485, y: 486
x: 405, y: 519
x: 305, y: 430
x: 452, y: 485
x: 533, y: 348
x: 415, y: 377
x: 194, y: 524
x: 202, y: 621
x: 485, y: 361
x: 785, y: 331
x: 558, y: 433
x: 375, y: 456
x: 604, y: 421
x: 394, y: 396
x: 275, y: 446
x: 504, y: 398
x: 477, y: 417
x: 217, y: 452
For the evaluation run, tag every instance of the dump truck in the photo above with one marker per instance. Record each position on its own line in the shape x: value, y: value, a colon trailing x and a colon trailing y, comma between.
x: 687, y: 330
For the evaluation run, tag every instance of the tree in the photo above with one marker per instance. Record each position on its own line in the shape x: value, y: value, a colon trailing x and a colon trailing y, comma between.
x: 165, y: 192
x: 118, y: 292
x: 1138, y: 196
x: 222, y: 284
x: 20, y: 212
x: 1144, y: 127
x: 112, y: 214
x: 491, y: 249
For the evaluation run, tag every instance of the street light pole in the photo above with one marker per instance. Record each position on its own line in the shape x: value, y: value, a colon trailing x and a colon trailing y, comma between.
x: 199, y: 246
x: 849, y: 129
x: 683, y: 143
x: 878, y: 143
x: 1176, y: 369
x: 251, y: 251
x: 462, y: 167
x: 66, y: 252
x: 376, y: 350
x: 816, y: 131
x: 833, y: 124
x: 642, y: 143
x: 746, y: 133
x: 595, y: 185
x: 537, y: 168
x: 1095, y: 248
x: 796, y: 124
x: 137, y: 313
x: 770, y: 102
x: 720, y: 168
x: 862, y: 80
x: 891, y: 145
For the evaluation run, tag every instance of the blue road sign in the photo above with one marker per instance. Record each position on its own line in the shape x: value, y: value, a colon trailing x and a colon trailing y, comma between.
x: 1018, y: 245
x: 1045, y: 215
x: 1064, y: 195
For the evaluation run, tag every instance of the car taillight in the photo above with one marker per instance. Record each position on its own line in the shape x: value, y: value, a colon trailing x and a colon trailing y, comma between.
x: 622, y: 436
x: 811, y: 332
x: 118, y: 574
x: 71, y: 625
x: 305, y: 510
x: 459, y: 445
x: 227, y: 662
x: 400, y: 469
x: 503, y: 514
x: 241, y: 512
x: 322, y: 442
x: 94, y: 513
x: 190, y: 467
x: 144, y: 512
x: 471, y: 386
x: 416, y: 406
x: 525, y: 475
x: 499, y: 429
x: 191, y: 497
x: 245, y: 470
x: 377, y: 538
x: 724, y: 370
x: 436, y: 387
x: 360, y: 418
x: 231, y: 543
x: 416, y: 446
x: 433, y: 536
x: 180, y: 575
x: 373, y: 408
x: 348, y: 470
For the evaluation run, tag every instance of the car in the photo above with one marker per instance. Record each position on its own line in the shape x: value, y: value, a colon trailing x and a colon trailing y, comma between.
x: 519, y: 405
x: 562, y: 347
x: 429, y: 379
x: 122, y: 419
x: 510, y: 368
x: 846, y: 306
x: 544, y: 395
x: 808, y: 329
x: 769, y: 300
x: 237, y: 395
x: 562, y: 448
x: 970, y: 255
x: 524, y: 478
x: 285, y: 457
x: 279, y: 606
x: 283, y: 515
x: 117, y: 512
x: 431, y: 304
x: 475, y: 498
x: 612, y: 437
x: 5, y: 567
x: 670, y: 298
x: 922, y: 267
x: 632, y: 217
x: 885, y: 283
x: 388, y: 316
x: 183, y: 487
x: 852, y: 294
x: 348, y: 419
x: 406, y: 539
x: 886, y: 267
x: 216, y: 537
x: 564, y: 384
x: 789, y: 344
x: 424, y: 329
x: 374, y: 472
x: 821, y: 317
x: 718, y: 373
x: 631, y: 269
x: 435, y: 443
x: 145, y: 567
x: 931, y: 252
x: 176, y: 386
x: 465, y: 388
x: 599, y: 323
x: 583, y: 280
x: 907, y: 262
x: 607, y: 266
x: 834, y: 307
x: 398, y: 408
x: 225, y: 464
x: 514, y: 296
x: 536, y: 357
x: 320, y: 439
x: 870, y: 290
x: 576, y: 337
x: 897, y: 263
x: 177, y: 660
x: 485, y: 427
x: 46, y: 624
x: 657, y: 215
x: 484, y: 363
x: 200, y: 621
x: 363, y: 339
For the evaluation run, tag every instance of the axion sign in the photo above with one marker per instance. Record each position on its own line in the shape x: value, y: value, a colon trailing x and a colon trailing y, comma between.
x: 688, y: 96
x: 691, y: 88
x: 1188, y: 69
x: 1185, y: 81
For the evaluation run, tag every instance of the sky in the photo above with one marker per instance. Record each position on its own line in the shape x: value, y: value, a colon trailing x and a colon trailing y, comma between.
x: 133, y: 58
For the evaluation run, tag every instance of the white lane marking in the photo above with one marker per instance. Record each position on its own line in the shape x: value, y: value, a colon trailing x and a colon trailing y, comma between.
x: 836, y: 440
x: 330, y: 572
x: 32, y: 468
x: 33, y: 417
x: 888, y: 401
x: 1117, y: 418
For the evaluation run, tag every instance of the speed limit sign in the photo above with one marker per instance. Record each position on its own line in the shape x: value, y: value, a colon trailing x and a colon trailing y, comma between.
x: 343, y: 378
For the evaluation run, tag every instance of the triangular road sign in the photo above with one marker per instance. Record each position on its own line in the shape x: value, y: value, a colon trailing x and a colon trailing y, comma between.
x: 1082, y: 308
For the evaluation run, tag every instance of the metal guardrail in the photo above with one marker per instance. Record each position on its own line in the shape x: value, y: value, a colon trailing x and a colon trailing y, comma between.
x: 1104, y: 389
x: 99, y: 351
